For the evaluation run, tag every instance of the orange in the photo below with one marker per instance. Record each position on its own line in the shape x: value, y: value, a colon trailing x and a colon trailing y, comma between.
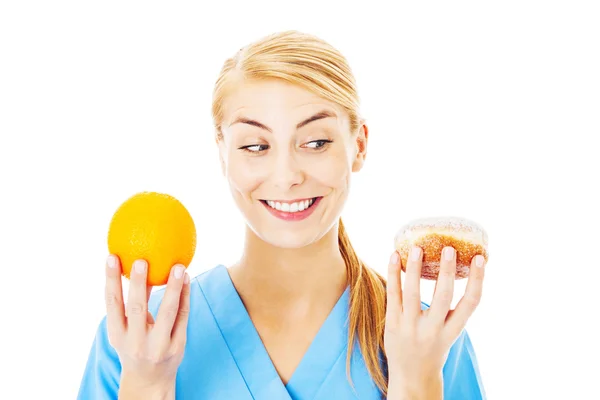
x: 155, y: 227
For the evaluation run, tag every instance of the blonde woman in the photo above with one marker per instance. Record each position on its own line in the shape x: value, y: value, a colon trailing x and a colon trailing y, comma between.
x: 299, y: 316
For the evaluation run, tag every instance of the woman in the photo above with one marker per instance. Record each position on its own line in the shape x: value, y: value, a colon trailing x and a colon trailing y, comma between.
x: 299, y: 316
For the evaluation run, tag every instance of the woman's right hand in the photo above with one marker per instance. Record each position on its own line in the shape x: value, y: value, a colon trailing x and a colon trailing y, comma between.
x: 149, y: 351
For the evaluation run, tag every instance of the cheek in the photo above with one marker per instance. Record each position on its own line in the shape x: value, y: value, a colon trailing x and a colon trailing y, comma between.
x: 242, y: 175
x: 332, y: 170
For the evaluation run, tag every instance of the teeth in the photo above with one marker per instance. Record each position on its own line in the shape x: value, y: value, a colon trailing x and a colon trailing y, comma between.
x: 291, y: 208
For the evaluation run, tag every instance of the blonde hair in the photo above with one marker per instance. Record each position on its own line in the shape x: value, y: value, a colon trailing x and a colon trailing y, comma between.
x: 310, y: 62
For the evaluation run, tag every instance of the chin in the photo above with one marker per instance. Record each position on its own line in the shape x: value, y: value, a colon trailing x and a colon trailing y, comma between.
x: 288, y: 238
x: 289, y: 234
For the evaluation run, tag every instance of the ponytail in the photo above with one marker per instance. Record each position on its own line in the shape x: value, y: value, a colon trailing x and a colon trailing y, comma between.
x: 367, y: 312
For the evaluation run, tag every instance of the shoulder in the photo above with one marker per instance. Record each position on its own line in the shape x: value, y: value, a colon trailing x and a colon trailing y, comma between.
x: 462, y: 377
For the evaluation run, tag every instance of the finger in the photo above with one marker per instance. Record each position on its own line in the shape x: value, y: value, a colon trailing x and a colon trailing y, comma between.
x: 394, y: 288
x: 149, y: 318
x: 169, y: 306
x: 411, y: 301
x: 181, y: 322
x: 148, y: 292
x: 113, y: 293
x: 457, y: 320
x: 148, y: 295
x: 137, y: 305
x: 444, y: 288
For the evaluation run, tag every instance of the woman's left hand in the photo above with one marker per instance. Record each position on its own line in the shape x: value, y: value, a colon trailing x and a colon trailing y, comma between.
x: 417, y: 342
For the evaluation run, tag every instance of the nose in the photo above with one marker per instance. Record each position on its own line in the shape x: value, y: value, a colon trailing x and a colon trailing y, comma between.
x: 287, y: 171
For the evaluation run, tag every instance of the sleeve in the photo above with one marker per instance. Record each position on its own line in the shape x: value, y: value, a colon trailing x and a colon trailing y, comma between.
x: 462, y: 379
x: 102, y: 372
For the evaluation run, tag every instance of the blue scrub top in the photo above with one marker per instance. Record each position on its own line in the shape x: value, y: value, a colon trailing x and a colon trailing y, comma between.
x: 225, y: 358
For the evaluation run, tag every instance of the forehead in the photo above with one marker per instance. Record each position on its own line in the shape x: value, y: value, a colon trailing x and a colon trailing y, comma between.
x: 275, y: 98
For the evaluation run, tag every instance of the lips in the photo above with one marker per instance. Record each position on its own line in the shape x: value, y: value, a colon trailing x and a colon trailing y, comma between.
x: 296, y: 210
x: 291, y: 206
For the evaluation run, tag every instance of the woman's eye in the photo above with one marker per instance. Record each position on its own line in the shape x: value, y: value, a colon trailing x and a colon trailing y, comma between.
x: 318, y: 144
x: 255, y: 148
x: 258, y: 148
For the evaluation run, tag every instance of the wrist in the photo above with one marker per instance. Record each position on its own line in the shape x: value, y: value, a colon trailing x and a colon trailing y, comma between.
x: 131, y: 388
x: 411, y: 388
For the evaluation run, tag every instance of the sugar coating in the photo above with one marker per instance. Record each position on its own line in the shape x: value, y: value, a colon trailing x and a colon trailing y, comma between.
x: 433, y: 234
x: 441, y: 224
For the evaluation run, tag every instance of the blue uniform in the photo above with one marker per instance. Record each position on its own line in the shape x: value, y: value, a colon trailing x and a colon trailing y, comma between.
x: 225, y: 358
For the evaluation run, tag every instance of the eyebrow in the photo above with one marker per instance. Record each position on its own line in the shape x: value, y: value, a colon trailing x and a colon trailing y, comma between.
x: 316, y: 117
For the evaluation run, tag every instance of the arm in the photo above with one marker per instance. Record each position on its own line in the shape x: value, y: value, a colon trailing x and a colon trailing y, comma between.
x: 432, y: 389
x: 130, y: 390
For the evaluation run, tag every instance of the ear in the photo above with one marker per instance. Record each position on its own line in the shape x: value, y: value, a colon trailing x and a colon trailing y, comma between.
x: 362, y: 139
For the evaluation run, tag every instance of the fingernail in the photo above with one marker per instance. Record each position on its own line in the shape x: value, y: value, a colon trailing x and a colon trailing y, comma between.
x: 178, y: 271
x: 394, y: 258
x: 415, y: 253
x: 111, y: 261
x: 186, y: 279
x: 479, y: 260
x: 139, y: 266
x: 449, y: 253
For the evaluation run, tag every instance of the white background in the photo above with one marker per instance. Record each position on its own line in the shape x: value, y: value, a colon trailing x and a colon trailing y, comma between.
x: 486, y: 111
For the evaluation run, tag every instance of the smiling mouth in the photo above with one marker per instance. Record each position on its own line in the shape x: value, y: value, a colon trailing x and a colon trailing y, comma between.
x: 290, y: 207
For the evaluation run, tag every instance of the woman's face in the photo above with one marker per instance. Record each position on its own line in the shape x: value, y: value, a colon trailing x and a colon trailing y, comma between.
x: 288, y: 156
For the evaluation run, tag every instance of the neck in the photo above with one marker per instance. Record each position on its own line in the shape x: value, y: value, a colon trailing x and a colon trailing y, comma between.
x: 286, y: 276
